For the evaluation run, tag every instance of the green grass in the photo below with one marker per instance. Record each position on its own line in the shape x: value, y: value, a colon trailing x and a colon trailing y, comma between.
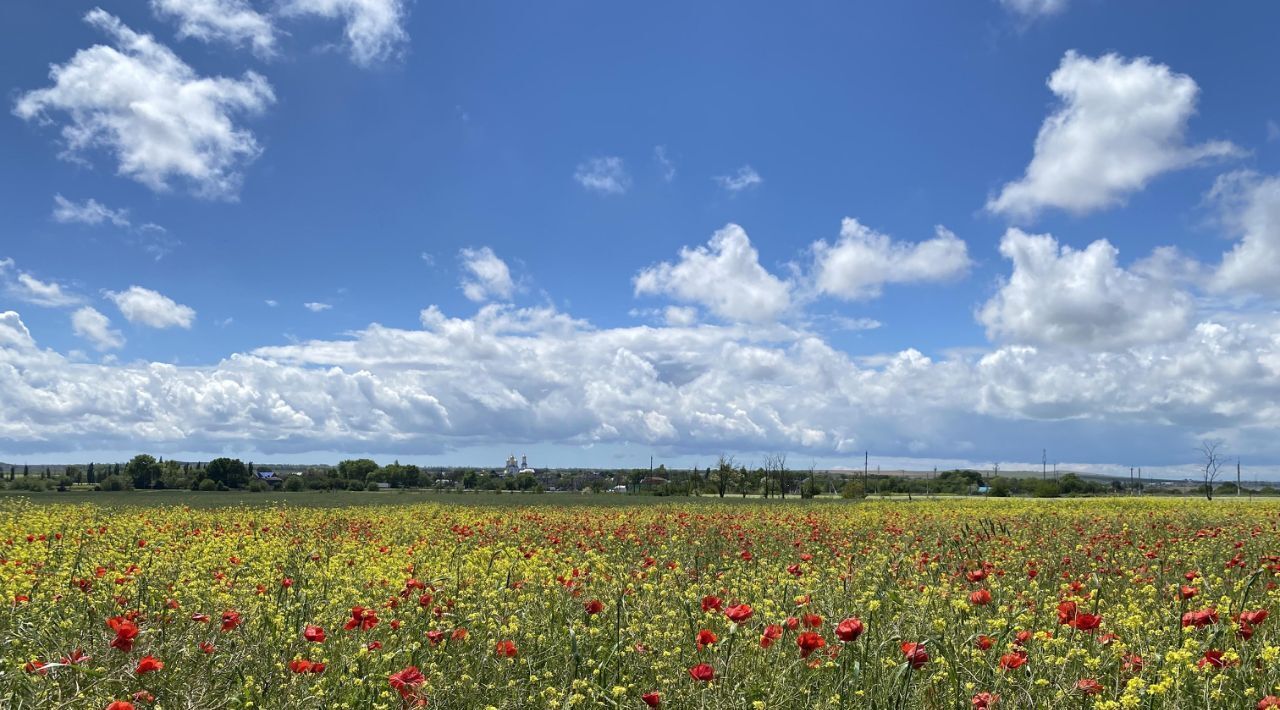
x: 343, y: 499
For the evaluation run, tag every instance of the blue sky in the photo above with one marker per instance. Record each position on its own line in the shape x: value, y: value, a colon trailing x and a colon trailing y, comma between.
x: 597, y: 232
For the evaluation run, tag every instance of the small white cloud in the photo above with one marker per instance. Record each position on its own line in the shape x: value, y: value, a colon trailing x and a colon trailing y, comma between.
x: 234, y: 22
x: 316, y: 307
x: 150, y: 308
x: 1060, y: 296
x: 725, y: 276
x: 428, y: 258
x: 88, y: 212
x: 856, y: 324
x: 139, y: 102
x: 1122, y: 122
x: 745, y: 178
x: 91, y: 325
x: 487, y: 277
x: 862, y: 261
x: 374, y: 28
x: 665, y: 164
x: 226, y: 322
x: 606, y: 175
x: 25, y: 287
x: 1032, y: 9
x: 1273, y: 131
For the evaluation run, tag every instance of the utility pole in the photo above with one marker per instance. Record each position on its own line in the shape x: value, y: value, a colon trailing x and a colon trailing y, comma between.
x: 1044, y: 464
x: 1237, y: 476
x: 866, y: 482
x: 1131, y: 478
x: 1139, y: 480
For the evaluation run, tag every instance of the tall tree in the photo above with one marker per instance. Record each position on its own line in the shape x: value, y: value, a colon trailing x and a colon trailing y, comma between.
x: 228, y: 472
x: 143, y: 470
x: 1211, y: 451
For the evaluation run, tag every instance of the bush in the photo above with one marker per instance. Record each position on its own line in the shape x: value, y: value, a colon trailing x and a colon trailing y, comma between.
x: 208, y: 484
x: 372, y: 486
x: 258, y: 486
x: 852, y: 489
x: 114, y: 483
x: 293, y: 484
x: 1048, y: 489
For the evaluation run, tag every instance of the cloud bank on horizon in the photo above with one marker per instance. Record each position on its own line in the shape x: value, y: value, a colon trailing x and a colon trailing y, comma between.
x: 629, y: 303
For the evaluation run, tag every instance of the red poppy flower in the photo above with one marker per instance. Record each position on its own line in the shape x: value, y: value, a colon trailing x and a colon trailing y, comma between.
x: 126, y: 633
x: 772, y: 633
x: 1013, y: 661
x: 119, y: 705
x: 148, y: 664
x: 300, y: 665
x: 458, y: 634
x: 809, y: 642
x: 985, y: 701
x: 1085, y: 622
x: 143, y: 696
x: 373, y: 645
x: 1132, y: 664
x: 702, y: 672
x: 1088, y: 686
x: 1187, y: 592
x: 1200, y: 619
x: 1269, y: 701
x: 407, y: 681
x: 710, y: 602
x: 201, y: 618
x: 653, y: 699
x: 1022, y: 638
x: 362, y: 619
x: 314, y: 634
x: 37, y: 667
x: 75, y: 657
x: 916, y: 655
x: 435, y: 637
x: 593, y: 607
x: 813, y: 621
x: 981, y: 597
x: 849, y: 629
x: 705, y: 638
x: 984, y: 642
x: 976, y: 575
x: 738, y: 613
x: 206, y: 647
x: 1212, y: 658
x: 1066, y: 612
x: 230, y: 620
x: 505, y: 649
x: 1253, y: 618
x: 791, y: 622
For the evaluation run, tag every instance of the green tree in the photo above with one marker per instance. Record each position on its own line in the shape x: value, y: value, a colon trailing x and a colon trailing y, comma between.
x: 356, y: 469
x: 89, y: 475
x: 227, y: 472
x: 142, y: 471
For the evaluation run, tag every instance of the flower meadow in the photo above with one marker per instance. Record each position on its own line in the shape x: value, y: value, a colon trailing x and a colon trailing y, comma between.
x: 1119, y: 603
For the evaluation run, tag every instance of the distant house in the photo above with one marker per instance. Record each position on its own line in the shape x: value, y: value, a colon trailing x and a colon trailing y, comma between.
x: 653, y: 481
x: 268, y: 477
x: 618, y: 489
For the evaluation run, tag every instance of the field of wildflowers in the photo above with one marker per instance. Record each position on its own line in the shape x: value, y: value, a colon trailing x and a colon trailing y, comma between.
x: 949, y: 604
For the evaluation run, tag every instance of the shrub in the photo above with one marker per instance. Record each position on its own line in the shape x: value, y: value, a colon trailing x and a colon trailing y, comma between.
x: 293, y: 484
x: 114, y: 483
x: 208, y: 484
x: 852, y: 489
x: 258, y: 486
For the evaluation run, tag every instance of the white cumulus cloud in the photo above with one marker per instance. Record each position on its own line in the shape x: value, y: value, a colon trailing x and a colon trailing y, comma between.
x: 315, y: 306
x: 862, y: 261
x: 1251, y: 203
x: 606, y: 175
x: 1059, y: 296
x: 374, y: 29
x: 150, y: 308
x: 725, y: 277
x: 91, y: 325
x: 139, y: 102
x: 485, y: 275
x: 1121, y: 123
x: 234, y: 22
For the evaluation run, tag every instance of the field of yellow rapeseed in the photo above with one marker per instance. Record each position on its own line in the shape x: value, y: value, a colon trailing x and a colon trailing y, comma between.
x: 961, y: 604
